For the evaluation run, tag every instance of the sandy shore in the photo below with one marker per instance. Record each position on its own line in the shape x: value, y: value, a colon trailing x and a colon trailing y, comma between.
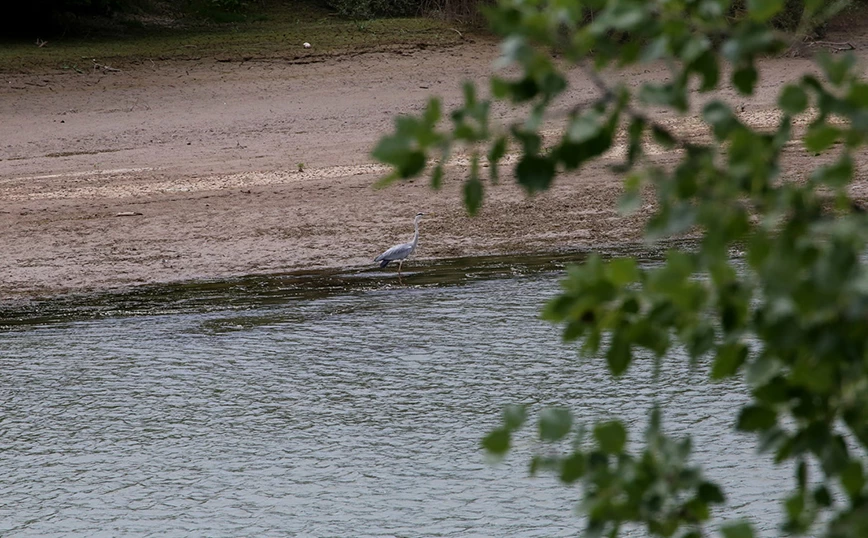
x: 174, y: 171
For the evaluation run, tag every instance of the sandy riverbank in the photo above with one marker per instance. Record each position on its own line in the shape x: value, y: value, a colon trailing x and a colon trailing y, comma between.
x: 204, y: 155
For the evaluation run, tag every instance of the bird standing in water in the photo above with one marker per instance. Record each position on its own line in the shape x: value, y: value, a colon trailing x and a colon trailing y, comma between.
x: 401, y: 252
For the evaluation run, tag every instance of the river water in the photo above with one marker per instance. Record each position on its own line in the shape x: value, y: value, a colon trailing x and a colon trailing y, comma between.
x: 356, y: 413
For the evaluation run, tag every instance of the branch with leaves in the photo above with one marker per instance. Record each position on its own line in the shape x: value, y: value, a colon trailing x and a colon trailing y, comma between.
x: 792, y: 319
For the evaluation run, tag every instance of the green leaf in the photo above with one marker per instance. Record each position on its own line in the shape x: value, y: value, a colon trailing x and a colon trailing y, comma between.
x: 500, y: 89
x: 795, y: 505
x: 585, y: 127
x: 432, y: 112
x: 412, y: 165
x: 858, y: 94
x: 611, y: 436
x: 473, y: 193
x: 619, y: 355
x: 552, y: 84
x: 625, y: 15
x: 495, y: 154
x: 836, y: 70
x: 557, y: 308
x: 391, y: 149
x: 544, y: 463
x: 754, y: 418
x: 761, y: 370
x: 437, y: 176
x: 744, y: 79
x: 836, y: 175
x: 469, y: 94
x: 535, y: 173
x: 497, y: 442
x: 793, y: 99
x: 572, y: 468
x: 396, y: 150
x: 710, y: 493
x: 629, y: 202
x: 822, y: 496
x: 695, y: 48
x: 700, y: 340
x: 514, y: 416
x: 524, y: 90
x: 622, y: 271
x: 573, y: 155
x: 750, y: 40
x: 853, y: 479
x: 834, y: 457
x: 696, y: 510
x: 820, y: 136
x: 730, y: 357
x: 706, y: 66
x: 763, y: 10
x: 662, y: 137
x: 737, y: 530
x: 554, y: 423
x: 721, y: 119
x: 669, y: 95
x: 530, y: 141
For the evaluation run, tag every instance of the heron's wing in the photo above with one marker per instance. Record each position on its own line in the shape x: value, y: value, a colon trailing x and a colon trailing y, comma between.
x: 398, y: 252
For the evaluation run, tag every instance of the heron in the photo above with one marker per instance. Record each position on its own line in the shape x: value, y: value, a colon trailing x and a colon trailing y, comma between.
x: 399, y: 253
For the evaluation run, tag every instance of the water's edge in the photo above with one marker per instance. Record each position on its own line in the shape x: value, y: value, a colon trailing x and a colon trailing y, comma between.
x: 249, y: 291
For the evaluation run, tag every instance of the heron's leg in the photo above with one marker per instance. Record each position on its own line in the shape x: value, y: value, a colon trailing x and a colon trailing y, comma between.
x: 400, y: 263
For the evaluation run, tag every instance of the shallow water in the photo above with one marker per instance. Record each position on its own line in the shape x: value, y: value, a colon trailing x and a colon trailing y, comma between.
x: 347, y: 414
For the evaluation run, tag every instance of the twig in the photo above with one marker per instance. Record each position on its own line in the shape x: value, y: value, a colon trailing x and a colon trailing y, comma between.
x: 834, y: 44
x: 41, y: 42
x: 836, y: 47
x: 104, y: 67
x: 457, y: 32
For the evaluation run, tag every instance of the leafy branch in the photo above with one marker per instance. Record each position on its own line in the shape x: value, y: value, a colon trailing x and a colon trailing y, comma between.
x: 790, y: 320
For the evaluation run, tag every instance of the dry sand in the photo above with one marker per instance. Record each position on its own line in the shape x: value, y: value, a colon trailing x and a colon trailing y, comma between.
x: 200, y: 159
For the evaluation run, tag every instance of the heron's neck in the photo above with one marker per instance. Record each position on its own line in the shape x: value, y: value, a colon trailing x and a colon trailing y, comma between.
x: 416, y: 235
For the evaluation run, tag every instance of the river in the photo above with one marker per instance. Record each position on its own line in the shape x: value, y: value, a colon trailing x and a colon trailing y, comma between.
x: 349, y: 413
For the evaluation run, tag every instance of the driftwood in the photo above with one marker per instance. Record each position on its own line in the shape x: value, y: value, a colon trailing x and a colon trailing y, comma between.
x: 836, y: 47
x: 98, y: 66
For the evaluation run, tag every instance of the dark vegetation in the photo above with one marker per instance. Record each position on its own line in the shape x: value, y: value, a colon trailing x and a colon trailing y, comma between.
x: 77, y: 18
x: 81, y: 35
x: 105, y: 18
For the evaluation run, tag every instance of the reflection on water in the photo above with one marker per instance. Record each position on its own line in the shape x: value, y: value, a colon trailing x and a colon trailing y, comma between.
x: 349, y: 415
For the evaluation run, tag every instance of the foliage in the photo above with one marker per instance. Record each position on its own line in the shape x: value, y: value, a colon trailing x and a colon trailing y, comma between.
x: 467, y: 11
x: 52, y: 15
x: 791, y: 319
x: 368, y: 9
x: 228, y: 5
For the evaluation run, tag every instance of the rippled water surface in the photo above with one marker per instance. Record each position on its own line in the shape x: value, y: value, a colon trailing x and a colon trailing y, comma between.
x: 354, y: 415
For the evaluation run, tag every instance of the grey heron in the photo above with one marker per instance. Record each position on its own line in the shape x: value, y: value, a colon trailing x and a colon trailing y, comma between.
x: 401, y: 252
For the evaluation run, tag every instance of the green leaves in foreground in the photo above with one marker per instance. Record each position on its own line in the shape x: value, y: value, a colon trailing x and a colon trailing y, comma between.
x: 406, y: 149
x: 656, y: 487
x: 737, y: 530
x: 554, y: 424
x: 772, y: 286
x: 497, y: 442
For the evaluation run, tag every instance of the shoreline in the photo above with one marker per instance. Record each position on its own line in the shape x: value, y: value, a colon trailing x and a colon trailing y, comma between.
x: 250, y: 291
